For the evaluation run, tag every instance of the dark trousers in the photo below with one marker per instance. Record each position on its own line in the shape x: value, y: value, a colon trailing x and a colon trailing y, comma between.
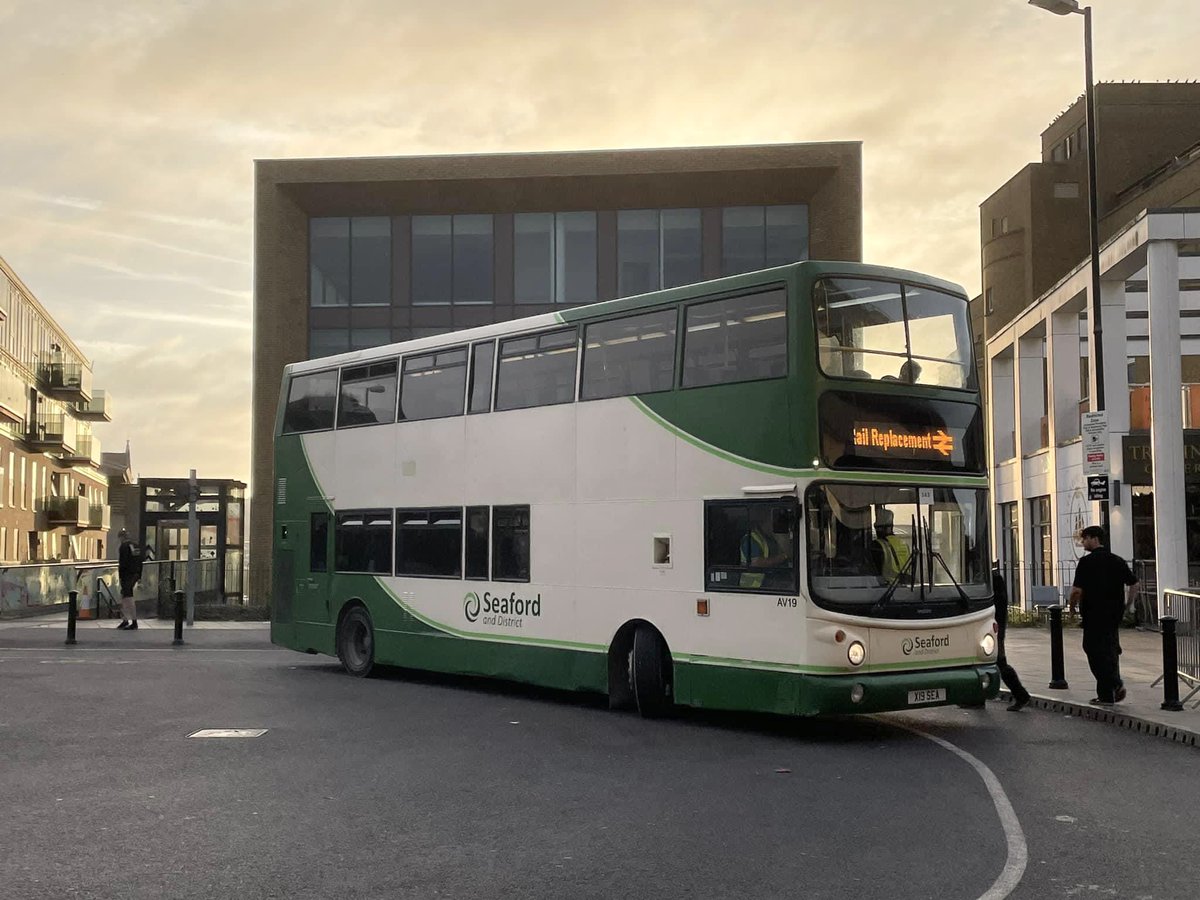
x: 1012, y: 681
x: 1103, y: 649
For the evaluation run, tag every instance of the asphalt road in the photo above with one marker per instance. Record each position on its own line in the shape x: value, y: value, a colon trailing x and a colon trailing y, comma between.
x: 418, y: 786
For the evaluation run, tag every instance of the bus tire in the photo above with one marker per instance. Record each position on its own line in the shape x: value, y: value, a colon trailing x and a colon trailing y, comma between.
x: 356, y: 642
x: 649, y: 673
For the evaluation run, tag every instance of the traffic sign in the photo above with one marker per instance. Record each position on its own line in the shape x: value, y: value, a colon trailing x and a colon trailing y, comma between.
x: 1094, y: 428
x: 1097, y: 487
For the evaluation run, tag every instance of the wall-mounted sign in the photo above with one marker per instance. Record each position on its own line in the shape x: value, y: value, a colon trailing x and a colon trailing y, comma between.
x: 1135, y: 453
x: 1097, y: 487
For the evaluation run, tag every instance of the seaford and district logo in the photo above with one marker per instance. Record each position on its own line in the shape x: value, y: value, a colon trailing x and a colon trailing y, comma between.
x: 924, y: 645
x: 506, y: 612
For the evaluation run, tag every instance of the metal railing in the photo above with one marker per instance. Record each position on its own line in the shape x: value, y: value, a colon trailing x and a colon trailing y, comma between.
x: 1185, y: 608
x: 40, y: 588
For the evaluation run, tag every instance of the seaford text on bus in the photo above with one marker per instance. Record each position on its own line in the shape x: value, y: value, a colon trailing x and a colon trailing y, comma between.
x: 500, y: 610
x: 623, y: 497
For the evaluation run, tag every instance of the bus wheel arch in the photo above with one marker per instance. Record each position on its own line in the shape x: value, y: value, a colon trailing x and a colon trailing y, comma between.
x: 640, y: 670
x: 355, y: 639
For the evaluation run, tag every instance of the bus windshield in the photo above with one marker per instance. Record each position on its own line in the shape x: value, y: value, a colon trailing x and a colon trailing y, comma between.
x: 888, y: 331
x: 900, y: 549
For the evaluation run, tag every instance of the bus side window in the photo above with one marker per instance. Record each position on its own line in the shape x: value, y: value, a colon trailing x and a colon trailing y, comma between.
x: 510, y: 542
x: 477, y: 542
x: 479, y: 390
x: 318, y: 543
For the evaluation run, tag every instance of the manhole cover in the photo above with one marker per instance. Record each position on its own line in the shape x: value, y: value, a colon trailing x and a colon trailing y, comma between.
x: 228, y: 733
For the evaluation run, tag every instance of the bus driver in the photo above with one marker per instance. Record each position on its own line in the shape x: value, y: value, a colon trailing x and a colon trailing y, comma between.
x: 890, y: 551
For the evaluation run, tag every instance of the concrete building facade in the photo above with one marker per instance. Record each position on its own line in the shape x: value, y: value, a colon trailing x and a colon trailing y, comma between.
x: 1033, y: 328
x: 353, y: 253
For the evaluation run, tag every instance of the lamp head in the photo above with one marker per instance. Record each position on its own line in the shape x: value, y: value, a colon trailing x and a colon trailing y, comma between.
x: 1058, y: 7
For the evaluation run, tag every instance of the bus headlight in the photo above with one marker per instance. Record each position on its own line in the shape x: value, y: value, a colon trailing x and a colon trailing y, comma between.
x: 856, y: 653
x: 988, y: 645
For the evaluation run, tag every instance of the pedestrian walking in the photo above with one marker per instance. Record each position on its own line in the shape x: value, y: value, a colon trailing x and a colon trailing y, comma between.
x: 1097, y: 593
x: 1012, y: 681
x: 129, y: 573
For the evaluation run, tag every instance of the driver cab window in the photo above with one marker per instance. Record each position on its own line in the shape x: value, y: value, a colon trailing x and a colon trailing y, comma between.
x: 750, y: 546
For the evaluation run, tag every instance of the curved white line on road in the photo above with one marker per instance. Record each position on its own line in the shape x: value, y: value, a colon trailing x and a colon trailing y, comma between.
x: 1018, y: 852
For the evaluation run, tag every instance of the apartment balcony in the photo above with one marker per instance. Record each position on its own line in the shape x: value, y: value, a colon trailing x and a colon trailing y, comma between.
x: 68, y: 512
x: 86, y: 452
x: 97, y: 409
x: 48, y: 432
x: 65, y: 381
x: 100, y: 518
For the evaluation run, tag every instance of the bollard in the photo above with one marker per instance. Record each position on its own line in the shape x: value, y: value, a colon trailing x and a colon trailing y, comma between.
x: 179, y: 608
x: 1058, y: 678
x: 73, y: 614
x: 1170, y: 665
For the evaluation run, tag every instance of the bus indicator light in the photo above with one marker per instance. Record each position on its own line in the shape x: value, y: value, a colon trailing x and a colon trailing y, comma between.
x: 839, y: 636
x: 702, y: 606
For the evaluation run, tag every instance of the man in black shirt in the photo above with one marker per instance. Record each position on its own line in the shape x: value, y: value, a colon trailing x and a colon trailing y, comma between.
x: 1097, y: 593
x: 1020, y: 696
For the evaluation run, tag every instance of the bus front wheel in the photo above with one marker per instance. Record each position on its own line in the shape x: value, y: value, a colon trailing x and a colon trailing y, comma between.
x: 356, y: 642
x: 649, y: 673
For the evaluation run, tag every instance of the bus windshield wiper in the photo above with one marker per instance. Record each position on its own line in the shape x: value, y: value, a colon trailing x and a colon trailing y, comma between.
x: 963, y: 599
x: 908, y: 564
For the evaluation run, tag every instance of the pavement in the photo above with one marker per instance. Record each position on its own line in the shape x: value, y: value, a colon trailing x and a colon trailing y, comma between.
x: 1028, y: 651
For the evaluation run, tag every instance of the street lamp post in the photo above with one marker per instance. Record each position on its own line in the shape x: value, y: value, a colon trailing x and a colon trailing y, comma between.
x: 1066, y: 8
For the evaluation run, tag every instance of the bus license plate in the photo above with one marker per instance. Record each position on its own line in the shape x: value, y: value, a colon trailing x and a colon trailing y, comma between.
x: 928, y: 695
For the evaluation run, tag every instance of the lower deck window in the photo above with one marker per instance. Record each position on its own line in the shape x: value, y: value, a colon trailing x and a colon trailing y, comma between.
x: 429, y: 542
x: 510, y: 543
x: 750, y: 546
x: 364, y: 541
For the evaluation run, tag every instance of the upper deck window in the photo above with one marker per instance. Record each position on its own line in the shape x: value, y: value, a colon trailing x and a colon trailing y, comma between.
x: 367, y: 395
x: 735, y: 339
x: 310, y: 402
x: 433, y: 384
x: 887, y: 331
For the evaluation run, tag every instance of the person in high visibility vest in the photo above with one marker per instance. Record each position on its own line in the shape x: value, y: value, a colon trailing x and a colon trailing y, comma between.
x: 891, y: 551
x: 760, y: 549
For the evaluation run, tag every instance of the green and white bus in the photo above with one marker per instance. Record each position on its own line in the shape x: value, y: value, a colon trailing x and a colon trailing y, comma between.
x: 765, y: 492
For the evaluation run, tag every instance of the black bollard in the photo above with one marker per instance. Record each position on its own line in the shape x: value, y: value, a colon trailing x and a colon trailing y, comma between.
x: 179, y: 610
x: 1058, y: 678
x: 73, y: 614
x: 1170, y: 665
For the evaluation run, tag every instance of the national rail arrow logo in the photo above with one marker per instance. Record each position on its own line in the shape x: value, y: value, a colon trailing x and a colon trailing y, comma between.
x: 943, y: 443
x: 471, y: 606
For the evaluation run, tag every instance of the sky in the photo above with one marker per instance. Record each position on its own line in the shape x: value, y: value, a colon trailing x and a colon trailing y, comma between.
x: 128, y: 131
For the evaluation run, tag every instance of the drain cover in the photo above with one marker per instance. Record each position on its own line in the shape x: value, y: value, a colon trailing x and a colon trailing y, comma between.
x: 228, y: 733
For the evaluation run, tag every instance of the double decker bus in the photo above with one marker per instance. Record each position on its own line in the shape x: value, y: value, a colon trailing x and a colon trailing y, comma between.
x: 765, y: 492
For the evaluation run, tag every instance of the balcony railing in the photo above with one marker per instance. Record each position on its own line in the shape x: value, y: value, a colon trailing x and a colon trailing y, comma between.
x: 71, y: 511
x: 47, y: 431
x: 66, y: 380
x: 97, y: 409
x: 86, y: 452
x: 100, y: 517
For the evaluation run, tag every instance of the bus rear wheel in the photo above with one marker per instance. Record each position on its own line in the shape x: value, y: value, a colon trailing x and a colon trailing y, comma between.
x: 649, y: 673
x: 356, y: 642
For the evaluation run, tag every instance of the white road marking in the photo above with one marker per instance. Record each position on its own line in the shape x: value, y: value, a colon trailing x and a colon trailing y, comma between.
x: 1018, y: 852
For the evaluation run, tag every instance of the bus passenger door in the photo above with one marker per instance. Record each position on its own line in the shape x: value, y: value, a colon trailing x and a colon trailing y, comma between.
x: 306, y: 543
x: 312, y: 580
